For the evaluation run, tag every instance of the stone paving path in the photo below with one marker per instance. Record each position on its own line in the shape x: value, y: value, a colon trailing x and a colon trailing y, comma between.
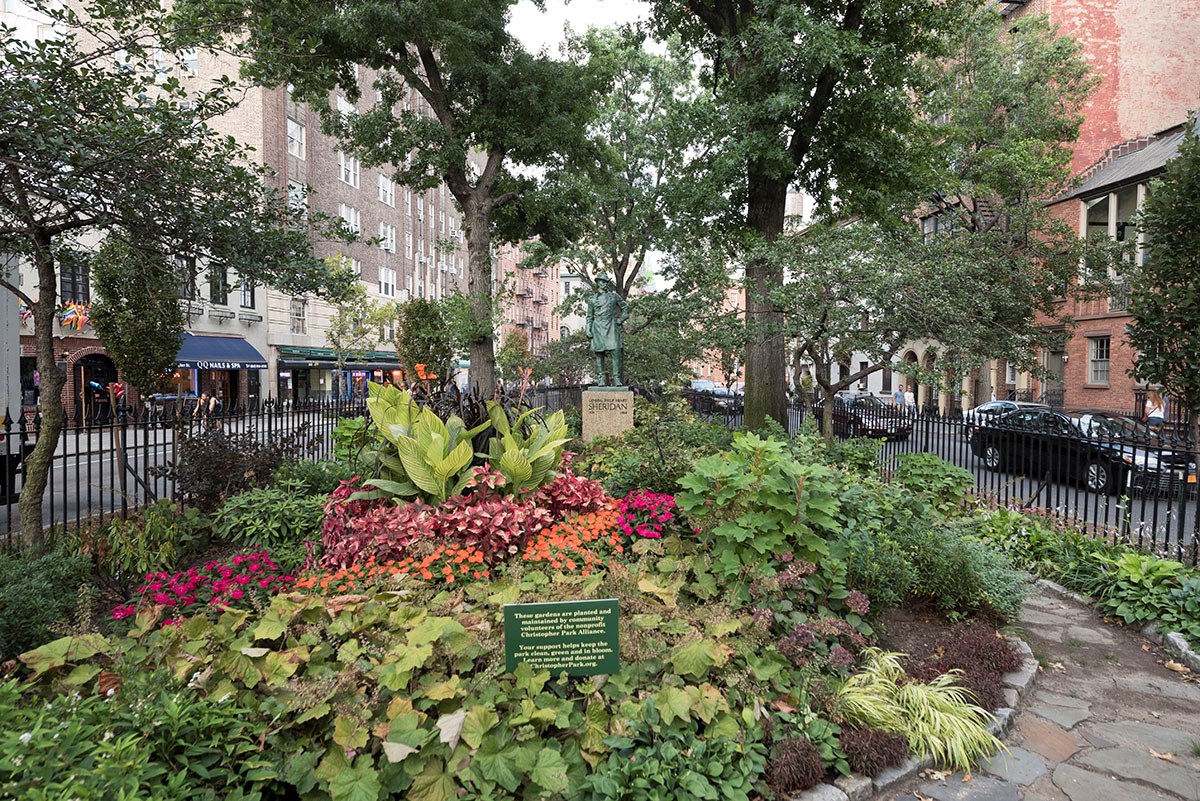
x: 1105, y: 721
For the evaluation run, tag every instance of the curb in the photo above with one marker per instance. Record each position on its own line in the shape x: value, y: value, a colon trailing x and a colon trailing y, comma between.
x: 1172, y: 640
x: 857, y: 787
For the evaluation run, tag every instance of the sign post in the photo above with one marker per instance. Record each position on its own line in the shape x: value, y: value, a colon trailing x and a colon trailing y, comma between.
x: 578, y: 637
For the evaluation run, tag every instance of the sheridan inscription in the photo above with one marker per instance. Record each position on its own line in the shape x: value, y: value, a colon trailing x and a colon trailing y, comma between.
x: 578, y: 637
x: 607, y: 405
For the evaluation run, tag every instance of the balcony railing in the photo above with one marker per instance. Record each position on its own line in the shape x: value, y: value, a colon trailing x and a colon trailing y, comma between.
x: 1118, y: 301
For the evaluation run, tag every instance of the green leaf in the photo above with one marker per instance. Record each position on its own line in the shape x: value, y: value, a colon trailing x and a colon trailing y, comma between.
x: 496, y: 761
x: 359, y: 783
x: 696, y: 657
x: 63, y: 651
x: 550, y: 771
x: 479, y: 722
x: 349, y: 732
x: 433, y: 784
x: 673, y: 703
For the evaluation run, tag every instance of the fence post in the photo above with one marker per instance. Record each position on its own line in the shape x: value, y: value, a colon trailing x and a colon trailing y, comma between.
x: 122, y: 424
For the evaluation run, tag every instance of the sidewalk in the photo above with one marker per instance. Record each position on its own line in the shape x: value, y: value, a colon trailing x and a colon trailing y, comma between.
x: 1105, y: 720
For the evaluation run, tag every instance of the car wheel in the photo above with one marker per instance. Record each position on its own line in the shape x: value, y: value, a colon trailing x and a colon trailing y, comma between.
x: 1099, y: 478
x: 993, y: 457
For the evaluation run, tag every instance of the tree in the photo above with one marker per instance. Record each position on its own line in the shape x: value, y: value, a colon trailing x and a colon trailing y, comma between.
x: 425, y: 335
x: 513, y: 355
x: 1008, y: 106
x: 491, y: 105
x: 818, y: 95
x: 93, y: 147
x: 354, y: 328
x: 638, y: 188
x: 1164, y: 296
x: 136, y: 313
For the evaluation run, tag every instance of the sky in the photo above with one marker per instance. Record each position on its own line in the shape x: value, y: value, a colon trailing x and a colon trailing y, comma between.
x: 538, y: 30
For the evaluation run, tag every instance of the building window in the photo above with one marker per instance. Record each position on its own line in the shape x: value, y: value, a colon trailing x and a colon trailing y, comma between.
x: 1010, y: 373
x: 299, y: 316
x: 348, y: 170
x: 862, y: 382
x: 1098, y: 353
x: 186, y: 265
x: 387, y: 237
x: 408, y: 200
x: 350, y: 216
x: 387, y: 282
x: 387, y: 191
x: 887, y: 380
x: 356, y: 267
x: 74, y: 286
x: 297, y: 197
x: 189, y: 61
x: 247, y: 293
x: 295, y: 132
x: 344, y: 107
x: 218, y: 286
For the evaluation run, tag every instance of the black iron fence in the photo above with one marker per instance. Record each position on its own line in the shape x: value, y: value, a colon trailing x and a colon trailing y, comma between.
x: 111, y: 468
x: 1106, y: 472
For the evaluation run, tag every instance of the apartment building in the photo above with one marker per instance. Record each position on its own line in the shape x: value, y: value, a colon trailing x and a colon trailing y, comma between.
x: 532, y: 310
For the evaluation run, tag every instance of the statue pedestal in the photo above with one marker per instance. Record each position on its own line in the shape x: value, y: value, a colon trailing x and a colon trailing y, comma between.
x: 607, y: 412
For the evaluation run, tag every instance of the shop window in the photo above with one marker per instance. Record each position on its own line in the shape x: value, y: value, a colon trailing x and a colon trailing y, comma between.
x: 1098, y: 357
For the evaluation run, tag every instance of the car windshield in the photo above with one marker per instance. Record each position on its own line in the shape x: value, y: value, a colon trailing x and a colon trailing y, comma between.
x: 1099, y: 425
x: 869, y: 401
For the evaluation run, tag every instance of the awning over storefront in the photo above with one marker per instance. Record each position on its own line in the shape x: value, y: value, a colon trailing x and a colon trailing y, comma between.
x: 323, y: 359
x: 200, y: 352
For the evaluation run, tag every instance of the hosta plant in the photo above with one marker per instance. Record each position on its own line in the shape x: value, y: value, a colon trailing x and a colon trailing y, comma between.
x: 526, y: 450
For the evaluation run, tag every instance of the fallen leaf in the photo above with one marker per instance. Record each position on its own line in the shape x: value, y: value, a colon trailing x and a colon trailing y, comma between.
x: 1178, y: 668
x: 1167, y: 757
x: 783, y: 706
x: 396, y: 752
x: 1058, y: 667
x: 451, y: 726
x: 1145, y: 647
x: 967, y: 777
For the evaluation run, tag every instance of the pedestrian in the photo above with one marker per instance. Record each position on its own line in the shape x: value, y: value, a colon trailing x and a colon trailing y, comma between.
x: 910, y: 402
x: 201, y: 410
x: 898, y: 398
x: 1156, y: 411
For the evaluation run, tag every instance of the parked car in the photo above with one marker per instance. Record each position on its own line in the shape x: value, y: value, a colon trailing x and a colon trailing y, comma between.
x: 986, y: 412
x: 714, y: 400
x: 1042, y: 441
x: 865, y: 416
x: 1100, y: 424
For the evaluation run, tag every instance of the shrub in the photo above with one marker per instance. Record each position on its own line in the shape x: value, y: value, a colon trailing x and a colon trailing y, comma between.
x: 269, y: 518
x: 308, y: 477
x: 153, y: 740
x: 213, y: 465
x: 859, y: 457
x: 569, y: 494
x: 37, y: 593
x: 665, y: 443
x: 940, y: 484
x: 795, y: 766
x: 871, y: 751
x: 756, y: 501
x: 156, y: 537
x: 961, y: 575
x: 978, y: 656
x: 935, y: 718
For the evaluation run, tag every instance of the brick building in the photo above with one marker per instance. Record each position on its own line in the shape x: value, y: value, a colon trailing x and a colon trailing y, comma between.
x: 1145, y: 55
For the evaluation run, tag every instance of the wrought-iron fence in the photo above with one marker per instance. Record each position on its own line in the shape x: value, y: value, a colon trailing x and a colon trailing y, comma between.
x: 1136, y: 486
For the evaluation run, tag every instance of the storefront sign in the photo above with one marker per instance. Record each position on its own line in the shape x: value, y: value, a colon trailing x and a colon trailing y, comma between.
x: 578, y: 637
x: 229, y: 366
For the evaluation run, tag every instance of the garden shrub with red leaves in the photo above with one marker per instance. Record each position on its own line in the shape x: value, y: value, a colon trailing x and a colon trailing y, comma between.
x: 231, y: 583
x: 870, y: 751
x: 497, y: 525
x: 795, y: 766
x: 569, y: 494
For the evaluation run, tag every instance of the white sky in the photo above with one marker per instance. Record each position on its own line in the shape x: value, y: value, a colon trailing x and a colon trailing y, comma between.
x: 538, y: 30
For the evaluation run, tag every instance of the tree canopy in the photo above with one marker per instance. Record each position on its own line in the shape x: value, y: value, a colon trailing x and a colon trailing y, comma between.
x: 486, y: 107
x: 816, y: 95
x: 97, y: 142
x: 1165, y: 288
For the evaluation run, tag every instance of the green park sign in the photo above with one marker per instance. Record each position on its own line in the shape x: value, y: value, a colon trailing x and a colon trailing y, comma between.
x: 578, y: 637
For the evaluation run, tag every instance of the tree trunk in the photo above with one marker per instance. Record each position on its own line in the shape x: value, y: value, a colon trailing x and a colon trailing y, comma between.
x: 766, y: 374
x: 482, y: 351
x: 53, y: 379
x: 827, y: 395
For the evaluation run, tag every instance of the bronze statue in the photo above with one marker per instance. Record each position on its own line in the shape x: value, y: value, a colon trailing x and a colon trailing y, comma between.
x: 607, y: 311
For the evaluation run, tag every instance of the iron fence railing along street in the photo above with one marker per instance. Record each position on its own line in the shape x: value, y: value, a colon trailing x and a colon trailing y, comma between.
x: 1142, y: 490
